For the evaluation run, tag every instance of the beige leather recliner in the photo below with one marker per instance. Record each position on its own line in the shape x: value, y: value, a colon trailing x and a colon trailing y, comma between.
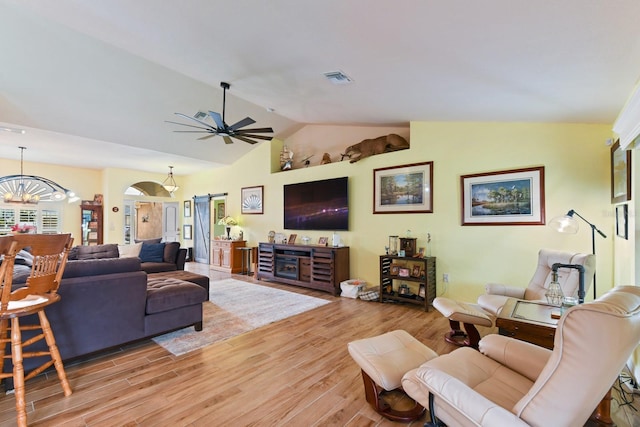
x: 489, y: 305
x: 514, y: 383
x: 497, y: 294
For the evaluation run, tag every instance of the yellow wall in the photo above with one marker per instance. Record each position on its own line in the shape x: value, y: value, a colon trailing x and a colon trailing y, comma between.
x: 576, y: 162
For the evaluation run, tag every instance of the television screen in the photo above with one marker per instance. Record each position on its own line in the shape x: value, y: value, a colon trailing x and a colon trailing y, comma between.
x: 317, y: 205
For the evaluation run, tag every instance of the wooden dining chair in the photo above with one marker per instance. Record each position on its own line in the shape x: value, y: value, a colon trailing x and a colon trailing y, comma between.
x: 40, y: 290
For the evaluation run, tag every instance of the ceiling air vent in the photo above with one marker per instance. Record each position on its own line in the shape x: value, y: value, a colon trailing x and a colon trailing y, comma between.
x: 338, y: 78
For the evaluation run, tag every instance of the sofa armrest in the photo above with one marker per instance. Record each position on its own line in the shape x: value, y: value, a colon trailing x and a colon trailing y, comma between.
x: 525, y: 358
x: 181, y: 258
x: 506, y: 290
x: 453, y: 393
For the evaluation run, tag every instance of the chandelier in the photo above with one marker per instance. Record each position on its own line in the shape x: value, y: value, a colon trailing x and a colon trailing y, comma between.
x: 169, y: 183
x: 31, y: 189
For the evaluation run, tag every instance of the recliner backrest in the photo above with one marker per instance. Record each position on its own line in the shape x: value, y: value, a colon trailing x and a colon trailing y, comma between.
x: 591, y: 345
x: 568, y: 278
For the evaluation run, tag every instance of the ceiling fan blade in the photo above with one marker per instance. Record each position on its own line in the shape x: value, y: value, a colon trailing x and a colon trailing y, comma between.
x: 217, y: 118
x: 227, y: 140
x: 195, y: 131
x: 242, y: 123
x: 242, y: 138
x: 255, y: 130
x: 208, y: 128
x: 207, y: 137
x: 194, y: 119
x: 248, y: 135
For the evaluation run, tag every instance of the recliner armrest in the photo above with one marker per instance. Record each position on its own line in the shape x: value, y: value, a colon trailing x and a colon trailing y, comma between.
x: 506, y: 290
x: 468, y: 403
x: 525, y: 358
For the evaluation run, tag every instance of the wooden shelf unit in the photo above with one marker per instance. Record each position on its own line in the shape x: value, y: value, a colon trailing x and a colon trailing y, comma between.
x: 309, y: 266
x: 91, y: 226
x: 391, y: 279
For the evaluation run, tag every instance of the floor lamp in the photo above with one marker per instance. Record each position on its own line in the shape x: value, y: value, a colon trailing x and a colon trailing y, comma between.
x: 568, y: 224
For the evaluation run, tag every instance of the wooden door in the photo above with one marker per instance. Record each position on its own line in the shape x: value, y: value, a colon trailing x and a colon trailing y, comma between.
x: 201, y: 229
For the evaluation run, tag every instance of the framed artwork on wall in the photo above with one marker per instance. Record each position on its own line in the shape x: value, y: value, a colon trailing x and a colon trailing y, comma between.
x: 251, y: 198
x: 620, y: 174
x: 186, y: 232
x: 221, y: 210
x: 403, y: 189
x: 187, y: 208
x: 622, y: 227
x: 510, y: 197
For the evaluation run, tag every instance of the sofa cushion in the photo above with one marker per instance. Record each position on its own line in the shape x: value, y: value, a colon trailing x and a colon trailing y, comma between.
x: 171, y: 251
x: 129, y: 251
x: 165, y: 294
x: 152, y: 252
x: 150, y: 241
x: 109, y: 250
x: 96, y: 267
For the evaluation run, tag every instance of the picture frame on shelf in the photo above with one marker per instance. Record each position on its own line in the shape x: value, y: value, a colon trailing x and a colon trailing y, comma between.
x: 622, y: 227
x: 485, y: 201
x: 620, y: 174
x: 187, y: 232
x: 404, y: 272
x: 421, y: 292
x: 403, y: 189
x: 323, y: 241
x: 292, y: 239
x: 252, y: 200
x: 415, y: 271
x: 187, y: 208
x: 395, y: 268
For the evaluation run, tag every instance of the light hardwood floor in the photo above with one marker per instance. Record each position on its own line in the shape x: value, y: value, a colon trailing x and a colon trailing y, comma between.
x: 295, y: 372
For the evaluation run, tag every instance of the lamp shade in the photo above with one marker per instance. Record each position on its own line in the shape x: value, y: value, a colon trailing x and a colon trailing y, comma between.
x: 564, y: 224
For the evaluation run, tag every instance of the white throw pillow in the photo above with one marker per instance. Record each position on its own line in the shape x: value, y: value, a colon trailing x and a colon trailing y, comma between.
x: 129, y: 251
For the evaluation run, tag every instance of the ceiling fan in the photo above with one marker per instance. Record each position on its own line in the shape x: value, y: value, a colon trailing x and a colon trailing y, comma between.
x: 223, y: 129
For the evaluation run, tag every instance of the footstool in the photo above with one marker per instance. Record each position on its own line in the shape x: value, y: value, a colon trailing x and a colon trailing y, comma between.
x: 384, y: 359
x: 187, y: 276
x: 469, y: 314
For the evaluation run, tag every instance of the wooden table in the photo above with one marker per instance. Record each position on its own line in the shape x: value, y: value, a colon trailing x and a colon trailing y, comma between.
x: 532, y: 322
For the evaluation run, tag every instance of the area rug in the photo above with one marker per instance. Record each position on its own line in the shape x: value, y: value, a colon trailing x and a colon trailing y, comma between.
x: 236, y: 307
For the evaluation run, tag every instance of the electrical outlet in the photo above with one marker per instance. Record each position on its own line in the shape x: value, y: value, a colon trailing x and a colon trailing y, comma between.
x: 445, y: 277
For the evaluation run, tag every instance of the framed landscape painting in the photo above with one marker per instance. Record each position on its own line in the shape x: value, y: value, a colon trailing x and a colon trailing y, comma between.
x: 403, y: 189
x: 620, y: 174
x: 511, y: 197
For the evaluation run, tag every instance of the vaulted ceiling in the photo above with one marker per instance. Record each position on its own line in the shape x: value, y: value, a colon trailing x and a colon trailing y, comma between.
x: 93, y: 82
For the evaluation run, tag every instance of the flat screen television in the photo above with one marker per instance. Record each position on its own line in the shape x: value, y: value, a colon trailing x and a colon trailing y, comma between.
x: 317, y: 205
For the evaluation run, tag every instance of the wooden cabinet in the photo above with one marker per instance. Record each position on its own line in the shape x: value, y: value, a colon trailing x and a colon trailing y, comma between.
x: 407, y: 279
x: 225, y: 256
x: 91, y: 225
x: 310, y: 266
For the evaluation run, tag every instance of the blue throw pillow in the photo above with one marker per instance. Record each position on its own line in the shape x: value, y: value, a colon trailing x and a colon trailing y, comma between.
x: 152, y: 252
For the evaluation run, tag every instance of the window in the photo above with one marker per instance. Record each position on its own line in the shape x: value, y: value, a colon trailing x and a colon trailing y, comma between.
x: 47, y: 218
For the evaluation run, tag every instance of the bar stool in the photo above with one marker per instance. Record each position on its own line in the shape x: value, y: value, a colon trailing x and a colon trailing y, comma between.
x: 49, y: 260
x: 245, y: 258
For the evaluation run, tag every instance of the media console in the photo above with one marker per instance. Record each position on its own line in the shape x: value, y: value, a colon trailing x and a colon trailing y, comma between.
x: 310, y: 266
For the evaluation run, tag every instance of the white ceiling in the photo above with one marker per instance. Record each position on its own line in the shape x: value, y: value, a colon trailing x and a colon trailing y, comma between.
x: 110, y: 72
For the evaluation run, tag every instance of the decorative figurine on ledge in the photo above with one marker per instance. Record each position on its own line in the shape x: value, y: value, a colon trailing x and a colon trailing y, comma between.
x: 379, y: 145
